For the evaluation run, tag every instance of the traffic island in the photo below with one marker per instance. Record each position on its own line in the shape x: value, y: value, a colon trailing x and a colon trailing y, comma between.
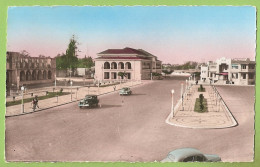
x: 189, y: 114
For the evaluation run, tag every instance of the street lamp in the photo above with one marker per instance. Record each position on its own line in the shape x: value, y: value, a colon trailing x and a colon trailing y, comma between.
x: 55, y: 82
x: 151, y: 76
x: 71, y: 89
x: 172, y: 91
x: 182, y: 95
x: 186, y: 87
x: 22, y: 89
x: 98, y: 86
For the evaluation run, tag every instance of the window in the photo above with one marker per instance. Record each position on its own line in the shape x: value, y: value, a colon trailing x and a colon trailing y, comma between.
x: 251, y: 66
x: 200, y: 159
x: 106, y: 75
x: 189, y: 159
x: 251, y: 75
x: 234, y: 75
x: 234, y: 66
x: 243, y: 66
x: 244, y: 76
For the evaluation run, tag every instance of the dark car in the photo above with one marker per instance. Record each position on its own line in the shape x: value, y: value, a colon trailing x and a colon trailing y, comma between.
x: 89, y: 101
x: 190, y: 155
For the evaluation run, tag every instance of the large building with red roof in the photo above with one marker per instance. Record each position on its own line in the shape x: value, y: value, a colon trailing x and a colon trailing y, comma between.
x: 137, y: 64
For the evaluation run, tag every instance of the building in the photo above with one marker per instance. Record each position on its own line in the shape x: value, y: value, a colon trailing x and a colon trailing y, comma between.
x: 26, y: 70
x: 229, y: 71
x: 137, y: 64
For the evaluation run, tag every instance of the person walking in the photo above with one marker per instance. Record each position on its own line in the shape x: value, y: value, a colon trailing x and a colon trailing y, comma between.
x: 115, y: 88
x: 35, y: 103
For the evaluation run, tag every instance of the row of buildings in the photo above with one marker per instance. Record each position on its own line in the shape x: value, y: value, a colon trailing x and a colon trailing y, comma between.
x: 229, y: 71
x: 26, y: 70
x: 136, y: 64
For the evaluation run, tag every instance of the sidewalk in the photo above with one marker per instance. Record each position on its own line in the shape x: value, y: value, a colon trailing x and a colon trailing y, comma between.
x: 218, y: 115
x: 61, y: 100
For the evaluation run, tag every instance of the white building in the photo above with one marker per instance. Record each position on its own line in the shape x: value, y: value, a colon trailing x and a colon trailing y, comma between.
x: 229, y: 71
x: 136, y: 63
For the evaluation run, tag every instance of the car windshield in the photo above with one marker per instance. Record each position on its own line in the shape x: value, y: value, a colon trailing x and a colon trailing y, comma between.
x: 125, y: 88
x: 89, y: 97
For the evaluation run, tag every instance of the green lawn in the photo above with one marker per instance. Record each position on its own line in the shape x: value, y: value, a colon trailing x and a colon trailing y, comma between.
x: 50, y: 95
x: 197, y: 106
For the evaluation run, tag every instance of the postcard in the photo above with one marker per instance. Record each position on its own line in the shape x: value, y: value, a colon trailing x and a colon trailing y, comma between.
x: 130, y: 84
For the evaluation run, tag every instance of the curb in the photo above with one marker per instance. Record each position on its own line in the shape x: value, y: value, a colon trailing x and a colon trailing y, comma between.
x: 230, y: 115
x: 64, y: 103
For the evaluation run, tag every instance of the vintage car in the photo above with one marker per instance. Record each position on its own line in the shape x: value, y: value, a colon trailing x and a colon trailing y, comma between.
x: 190, y: 155
x: 125, y: 91
x: 89, y: 101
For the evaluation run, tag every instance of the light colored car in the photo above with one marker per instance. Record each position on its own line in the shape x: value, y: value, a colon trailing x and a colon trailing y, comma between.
x: 125, y: 91
x: 190, y: 155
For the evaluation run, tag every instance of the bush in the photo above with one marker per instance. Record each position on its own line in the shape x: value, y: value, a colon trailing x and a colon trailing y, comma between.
x: 201, y: 89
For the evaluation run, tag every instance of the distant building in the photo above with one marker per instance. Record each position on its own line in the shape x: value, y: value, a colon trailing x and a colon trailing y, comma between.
x: 229, y: 71
x: 26, y: 70
x: 136, y: 63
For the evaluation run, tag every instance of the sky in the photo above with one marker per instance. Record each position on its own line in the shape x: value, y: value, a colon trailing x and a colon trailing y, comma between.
x: 174, y: 34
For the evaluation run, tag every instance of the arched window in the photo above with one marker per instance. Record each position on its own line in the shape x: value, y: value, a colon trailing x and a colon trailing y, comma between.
x: 34, y: 75
x: 113, y: 65
x: 22, y: 76
x: 39, y: 76
x: 121, y: 65
x: 49, y: 74
x: 128, y: 65
x: 106, y: 65
x: 44, y: 74
x: 28, y: 76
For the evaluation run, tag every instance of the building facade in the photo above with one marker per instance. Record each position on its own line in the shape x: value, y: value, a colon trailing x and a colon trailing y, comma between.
x: 137, y: 64
x: 229, y: 71
x: 26, y: 70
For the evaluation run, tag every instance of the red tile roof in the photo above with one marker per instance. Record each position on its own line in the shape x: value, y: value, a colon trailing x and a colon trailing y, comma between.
x: 122, y: 51
x: 135, y: 58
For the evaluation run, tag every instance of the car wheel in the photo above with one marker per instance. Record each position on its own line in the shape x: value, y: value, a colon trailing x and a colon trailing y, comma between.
x: 80, y: 107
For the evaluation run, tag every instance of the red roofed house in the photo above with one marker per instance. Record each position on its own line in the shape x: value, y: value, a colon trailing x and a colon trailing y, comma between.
x: 136, y: 63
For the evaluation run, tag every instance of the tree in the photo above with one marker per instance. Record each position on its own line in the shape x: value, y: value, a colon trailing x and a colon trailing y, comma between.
x: 122, y: 74
x: 86, y: 62
x: 25, y: 53
x: 70, y: 59
x: 71, y: 54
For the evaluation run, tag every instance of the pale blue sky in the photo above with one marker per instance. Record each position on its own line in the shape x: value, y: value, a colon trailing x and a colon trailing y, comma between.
x: 173, y: 34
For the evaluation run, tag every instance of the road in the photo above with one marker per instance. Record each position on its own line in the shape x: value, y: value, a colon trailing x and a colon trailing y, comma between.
x: 127, y: 128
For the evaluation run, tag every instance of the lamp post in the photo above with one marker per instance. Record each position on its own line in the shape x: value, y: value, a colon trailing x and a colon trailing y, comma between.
x: 172, y: 91
x: 182, y: 95
x: 189, y: 82
x: 151, y: 76
x: 22, y: 89
x: 186, y: 87
x: 71, y: 90
x: 77, y: 93
x: 55, y: 82
x: 98, y: 86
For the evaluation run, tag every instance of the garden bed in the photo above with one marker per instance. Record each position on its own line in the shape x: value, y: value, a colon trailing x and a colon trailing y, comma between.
x: 197, y: 106
x: 50, y: 95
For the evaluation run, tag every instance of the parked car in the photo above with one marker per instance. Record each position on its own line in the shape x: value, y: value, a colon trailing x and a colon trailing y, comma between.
x: 125, y: 91
x: 190, y: 155
x: 89, y: 101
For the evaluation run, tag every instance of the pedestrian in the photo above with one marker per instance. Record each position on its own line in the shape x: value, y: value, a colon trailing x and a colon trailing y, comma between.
x: 35, y: 103
x: 115, y: 88
x: 197, y: 82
